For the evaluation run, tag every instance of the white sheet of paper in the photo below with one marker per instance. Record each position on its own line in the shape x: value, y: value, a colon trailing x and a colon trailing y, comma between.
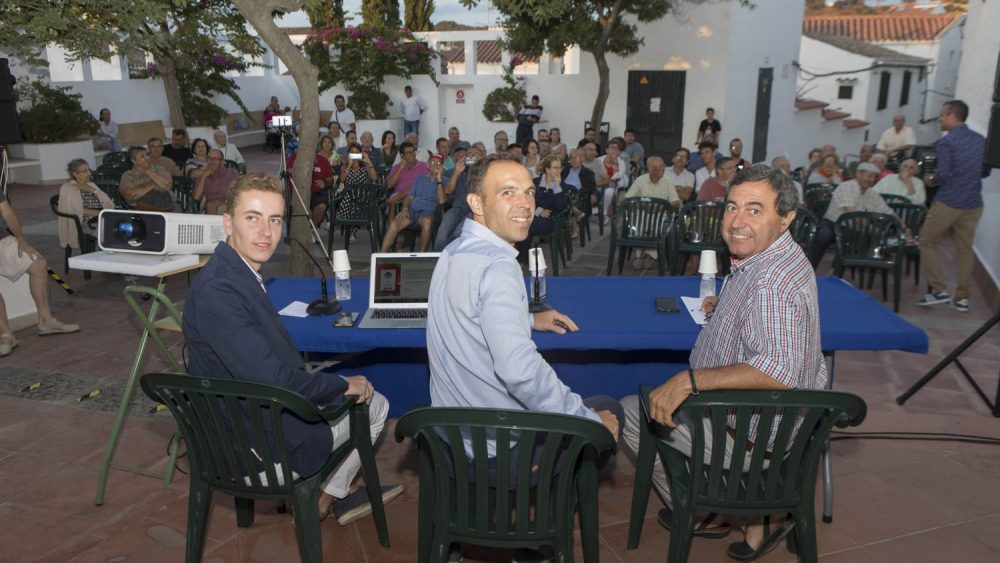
x: 654, y: 105
x: 693, y: 306
x: 295, y: 309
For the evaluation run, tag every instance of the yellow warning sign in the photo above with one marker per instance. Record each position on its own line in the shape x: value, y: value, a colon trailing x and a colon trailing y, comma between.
x: 643, y: 80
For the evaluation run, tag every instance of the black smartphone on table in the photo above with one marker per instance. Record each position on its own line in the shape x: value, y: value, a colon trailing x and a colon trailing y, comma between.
x: 666, y: 304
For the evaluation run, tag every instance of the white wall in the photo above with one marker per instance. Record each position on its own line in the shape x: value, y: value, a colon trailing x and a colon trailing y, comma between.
x: 975, y: 88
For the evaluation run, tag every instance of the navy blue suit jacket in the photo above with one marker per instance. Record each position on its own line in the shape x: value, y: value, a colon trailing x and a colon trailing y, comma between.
x: 232, y: 330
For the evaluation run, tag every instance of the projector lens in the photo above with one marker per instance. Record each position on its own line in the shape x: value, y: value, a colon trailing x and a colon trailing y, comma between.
x: 131, y: 230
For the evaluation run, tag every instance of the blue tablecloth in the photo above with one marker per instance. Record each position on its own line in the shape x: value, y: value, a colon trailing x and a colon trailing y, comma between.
x: 623, y: 341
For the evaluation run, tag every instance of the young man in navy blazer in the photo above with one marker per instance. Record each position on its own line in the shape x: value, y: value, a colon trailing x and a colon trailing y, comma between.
x: 233, y: 330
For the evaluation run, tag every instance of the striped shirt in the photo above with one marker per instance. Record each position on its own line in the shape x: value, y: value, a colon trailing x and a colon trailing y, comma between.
x: 767, y: 317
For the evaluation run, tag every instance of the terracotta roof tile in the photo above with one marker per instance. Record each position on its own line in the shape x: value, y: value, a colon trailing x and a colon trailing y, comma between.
x: 487, y: 51
x: 867, y: 49
x: 831, y: 114
x: 908, y: 25
x: 854, y: 123
x: 806, y: 103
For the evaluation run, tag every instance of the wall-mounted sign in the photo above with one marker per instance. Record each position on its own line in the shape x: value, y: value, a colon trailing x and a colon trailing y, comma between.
x: 460, y: 96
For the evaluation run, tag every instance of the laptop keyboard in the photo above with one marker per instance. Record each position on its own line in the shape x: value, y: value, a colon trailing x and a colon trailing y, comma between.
x: 399, y: 314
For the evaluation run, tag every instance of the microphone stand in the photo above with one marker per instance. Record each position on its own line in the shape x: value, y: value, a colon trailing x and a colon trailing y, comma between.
x: 325, y: 305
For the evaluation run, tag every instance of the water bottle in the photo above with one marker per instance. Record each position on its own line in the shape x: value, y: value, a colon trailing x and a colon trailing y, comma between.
x: 342, y: 285
x: 707, y: 288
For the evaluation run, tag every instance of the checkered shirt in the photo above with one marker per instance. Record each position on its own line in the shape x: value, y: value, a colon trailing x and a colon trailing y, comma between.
x: 767, y: 317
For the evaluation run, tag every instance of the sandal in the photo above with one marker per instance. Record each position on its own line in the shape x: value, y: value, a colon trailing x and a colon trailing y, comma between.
x: 742, y: 551
x: 702, y: 530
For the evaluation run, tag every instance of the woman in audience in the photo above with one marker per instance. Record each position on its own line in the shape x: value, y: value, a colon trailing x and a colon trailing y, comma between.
x: 82, y: 198
x: 355, y: 171
x: 904, y: 184
x: 827, y: 173
x: 555, y: 141
x: 389, y: 149
x: 107, y: 136
x: 328, y: 150
x: 549, y: 177
x: 531, y: 158
x: 550, y: 200
x: 229, y: 150
x: 195, y: 166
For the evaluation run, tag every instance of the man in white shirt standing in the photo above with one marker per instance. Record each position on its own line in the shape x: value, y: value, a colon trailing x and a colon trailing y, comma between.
x: 343, y: 116
x: 898, y: 138
x: 412, y: 107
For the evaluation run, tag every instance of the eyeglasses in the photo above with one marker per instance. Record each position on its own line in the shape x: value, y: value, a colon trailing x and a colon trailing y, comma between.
x: 214, y: 158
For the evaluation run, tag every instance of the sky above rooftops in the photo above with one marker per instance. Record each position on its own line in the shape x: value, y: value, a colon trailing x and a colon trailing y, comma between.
x: 482, y: 15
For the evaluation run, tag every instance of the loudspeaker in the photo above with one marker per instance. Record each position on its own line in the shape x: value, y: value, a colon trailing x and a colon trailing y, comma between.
x: 9, y: 130
x: 996, y: 81
x: 992, y: 156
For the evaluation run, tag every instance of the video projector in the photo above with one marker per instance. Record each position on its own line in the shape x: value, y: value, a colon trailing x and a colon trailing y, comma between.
x: 150, y: 232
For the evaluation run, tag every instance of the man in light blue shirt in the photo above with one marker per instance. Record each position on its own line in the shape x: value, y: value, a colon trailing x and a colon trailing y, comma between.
x: 478, y: 326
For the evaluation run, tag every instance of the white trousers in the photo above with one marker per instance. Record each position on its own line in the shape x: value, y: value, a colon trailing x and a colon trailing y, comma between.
x: 338, y: 484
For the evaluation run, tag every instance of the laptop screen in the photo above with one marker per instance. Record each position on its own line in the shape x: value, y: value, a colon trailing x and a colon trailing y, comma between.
x: 401, y: 280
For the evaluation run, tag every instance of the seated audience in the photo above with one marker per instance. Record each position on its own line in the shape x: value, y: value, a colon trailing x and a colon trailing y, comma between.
x: 417, y: 206
x: 322, y: 179
x: 155, y: 147
x: 444, y: 151
x: 82, y: 198
x: 714, y: 189
x: 880, y: 160
x: 454, y: 136
x: 405, y: 171
x: 852, y: 195
x: 706, y: 150
x: 17, y: 258
x: 213, y: 184
x: 455, y: 189
x: 581, y: 178
x: 616, y: 167
x: 680, y: 177
x: 500, y: 141
x: 656, y: 184
x: 107, y: 134
x: 550, y: 200
x: 355, y: 171
x: 272, y: 140
x: 389, y: 149
x: 764, y: 334
x: 899, y: 138
x: 590, y: 136
x: 422, y: 155
x: 601, y: 179
x: 328, y: 151
x: 543, y: 135
x: 867, y: 150
x: 229, y: 150
x: 545, y: 149
x: 532, y: 157
x: 178, y: 150
x: 368, y: 147
x: 194, y: 167
x: 829, y: 172
x: 558, y: 146
x: 352, y: 139
x: 146, y: 186
x: 827, y: 150
x: 339, y: 140
x: 904, y: 184
x: 782, y: 163
x: 736, y: 153
x: 233, y: 331
x: 516, y: 151
x: 634, y: 151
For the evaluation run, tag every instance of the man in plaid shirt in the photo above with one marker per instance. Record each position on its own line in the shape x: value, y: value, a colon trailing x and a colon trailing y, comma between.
x: 764, y: 332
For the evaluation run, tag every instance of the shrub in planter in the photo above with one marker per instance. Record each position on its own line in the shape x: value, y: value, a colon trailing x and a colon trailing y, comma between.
x: 52, y: 114
x: 503, y: 104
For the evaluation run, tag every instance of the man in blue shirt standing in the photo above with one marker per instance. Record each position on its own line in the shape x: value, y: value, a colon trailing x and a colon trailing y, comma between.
x: 478, y: 326
x: 957, y: 205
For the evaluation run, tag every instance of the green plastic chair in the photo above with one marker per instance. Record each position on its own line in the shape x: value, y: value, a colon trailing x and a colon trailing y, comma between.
x: 240, y: 167
x: 222, y: 454
x: 527, y: 501
x: 803, y: 228
x: 109, y: 183
x: 119, y: 157
x: 752, y: 484
x: 912, y: 216
x: 699, y: 227
x: 894, y: 199
x: 87, y: 242
x: 183, y: 188
x: 865, y: 243
x: 367, y: 214
x: 640, y: 222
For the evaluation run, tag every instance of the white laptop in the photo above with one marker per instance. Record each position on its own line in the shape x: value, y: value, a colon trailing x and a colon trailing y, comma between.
x: 398, y: 290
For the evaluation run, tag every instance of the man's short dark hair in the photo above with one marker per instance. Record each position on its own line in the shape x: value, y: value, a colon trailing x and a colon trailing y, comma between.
x: 406, y: 145
x: 339, y: 97
x: 535, y: 97
x: 685, y: 151
x: 152, y: 139
x: 627, y: 131
x: 407, y: 88
x: 180, y: 131
x: 958, y: 108
x: 781, y: 183
x: 706, y: 145
x: 477, y: 172
x: 709, y: 110
x: 722, y: 160
x: 588, y: 130
x: 134, y: 150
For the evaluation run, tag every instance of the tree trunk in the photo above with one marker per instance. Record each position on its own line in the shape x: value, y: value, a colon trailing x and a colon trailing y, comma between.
x: 306, y: 76
x: 603, y: 89
x: 165, y: 66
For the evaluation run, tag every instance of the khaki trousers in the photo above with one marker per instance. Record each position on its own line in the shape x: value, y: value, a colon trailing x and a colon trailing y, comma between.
x: 961, y: 223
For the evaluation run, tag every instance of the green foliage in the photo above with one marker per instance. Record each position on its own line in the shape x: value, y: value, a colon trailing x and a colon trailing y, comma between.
x: 365, y: 55
x: 325, y: 13
x: 417, y: 15
x: 380, y: 12
x: 51, y: 114
x: 503, y: 104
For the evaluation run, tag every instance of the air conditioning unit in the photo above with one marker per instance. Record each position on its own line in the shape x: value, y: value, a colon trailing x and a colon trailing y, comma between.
x: 150, y: 232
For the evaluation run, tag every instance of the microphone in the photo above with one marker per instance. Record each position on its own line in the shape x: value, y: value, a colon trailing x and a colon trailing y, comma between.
x: 324, y: 305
